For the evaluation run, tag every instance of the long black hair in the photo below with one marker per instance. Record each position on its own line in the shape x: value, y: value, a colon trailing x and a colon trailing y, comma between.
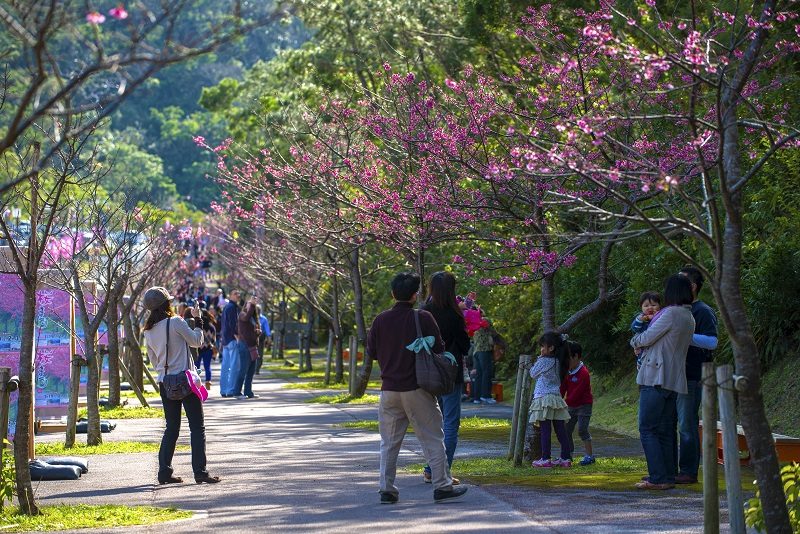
x: 561, y: 351
x: 442, y: 289
x: 159, y: 314
x: 678, y: 290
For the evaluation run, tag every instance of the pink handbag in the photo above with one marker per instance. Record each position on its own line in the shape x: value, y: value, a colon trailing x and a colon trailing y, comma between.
x: 196, y: 385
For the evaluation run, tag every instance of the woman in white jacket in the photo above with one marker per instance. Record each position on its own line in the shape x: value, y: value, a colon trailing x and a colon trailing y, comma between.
x: 170, y: 355
x: 661, y: 377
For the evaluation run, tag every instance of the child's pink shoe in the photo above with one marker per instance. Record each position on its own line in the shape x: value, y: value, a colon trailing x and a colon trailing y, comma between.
x: 561, y: 462
x: 544, y: 462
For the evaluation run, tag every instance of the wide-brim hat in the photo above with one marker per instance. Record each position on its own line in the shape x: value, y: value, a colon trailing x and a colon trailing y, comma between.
x: 155, y: 297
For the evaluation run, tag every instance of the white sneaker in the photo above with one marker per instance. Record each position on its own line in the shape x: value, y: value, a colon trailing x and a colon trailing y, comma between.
x: 488, y: 400
x: 241, y: 397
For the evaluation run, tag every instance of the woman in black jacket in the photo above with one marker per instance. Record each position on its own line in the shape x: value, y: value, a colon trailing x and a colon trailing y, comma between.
x: 444, y: 308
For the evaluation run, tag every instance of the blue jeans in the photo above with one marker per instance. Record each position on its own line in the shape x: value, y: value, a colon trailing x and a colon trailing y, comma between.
x: 688, y: 422
x: 204, y: 357
x: 229, y: 370
x: 451, y: 420
x: 657, y: 417
x: 244, y: 369
x: 483, y: 376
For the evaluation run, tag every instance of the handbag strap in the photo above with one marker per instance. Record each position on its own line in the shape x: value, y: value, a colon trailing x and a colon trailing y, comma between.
x: 166, y: 350
x: 419, y: 329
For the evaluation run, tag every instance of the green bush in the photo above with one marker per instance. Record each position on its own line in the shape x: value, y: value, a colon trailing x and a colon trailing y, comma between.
x: 754, y: 514
x: 7, y: 476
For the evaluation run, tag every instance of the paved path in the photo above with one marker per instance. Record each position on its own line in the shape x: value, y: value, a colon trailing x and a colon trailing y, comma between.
x: 287, y: 468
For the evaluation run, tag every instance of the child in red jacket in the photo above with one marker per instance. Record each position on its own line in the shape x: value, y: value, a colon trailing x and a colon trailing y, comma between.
x: 576, y: 388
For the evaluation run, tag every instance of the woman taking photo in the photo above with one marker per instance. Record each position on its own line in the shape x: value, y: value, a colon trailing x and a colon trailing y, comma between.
x: 444, y: 308
x: 661, y: 377
x: 174, y: 358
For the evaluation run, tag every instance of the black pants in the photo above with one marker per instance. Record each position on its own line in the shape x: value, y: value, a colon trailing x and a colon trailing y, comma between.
x: 197, y: 431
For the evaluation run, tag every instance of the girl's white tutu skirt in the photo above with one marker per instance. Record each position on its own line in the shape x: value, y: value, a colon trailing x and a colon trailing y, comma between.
x: 550, y: 406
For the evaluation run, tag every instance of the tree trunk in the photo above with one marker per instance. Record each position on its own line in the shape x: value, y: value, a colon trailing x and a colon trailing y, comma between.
x: 22, y: 454
x: 549, y: 303
x: 361, y: 326
x: 420, y: 265
x: 734, y: 315
x: 94, y: 363
x: 131, y: 340
x: 336, y: 323
x: 112, y: 320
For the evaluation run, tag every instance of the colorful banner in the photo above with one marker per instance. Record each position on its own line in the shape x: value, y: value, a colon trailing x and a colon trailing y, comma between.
x: 11, y: 303
x: 52, y: 353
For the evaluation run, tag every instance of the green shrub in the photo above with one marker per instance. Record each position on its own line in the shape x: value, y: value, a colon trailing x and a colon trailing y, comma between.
x: 7, y: 476
x: 754, y: 514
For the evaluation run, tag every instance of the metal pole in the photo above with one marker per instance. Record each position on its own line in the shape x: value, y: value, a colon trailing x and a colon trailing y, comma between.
x: 522, y: 417
x: 730, y: 448
x: 710, y: 488
x: 512, y: 439
x: 353, y: 363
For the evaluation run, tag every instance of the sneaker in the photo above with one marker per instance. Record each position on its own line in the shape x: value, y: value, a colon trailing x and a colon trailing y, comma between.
x: 252, y: 396
x: 587, y: 460
x: 426, y: 476
x: 543, y: 462
x: 388, y: 498
x: 476, y: 401
x: 456, y: 482
x: 562, y: 462
x: 685, y: 479
x: 241, y: 397
x: 488, y: 400
x: 443, y: 495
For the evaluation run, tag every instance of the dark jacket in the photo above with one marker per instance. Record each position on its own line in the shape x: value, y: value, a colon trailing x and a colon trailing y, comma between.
x: 229, y: 323
x: 390, y: 333
x: 454, y: 334
x: 706, y: 324
x: 249, y: 329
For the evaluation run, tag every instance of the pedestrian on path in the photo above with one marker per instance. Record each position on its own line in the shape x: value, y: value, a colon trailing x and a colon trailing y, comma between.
x: 703, y: 342
x: 249, y: 330
x: 482, y: 357
x: 449, y: 318
x: 548, y: 407
x: 231, y: 362
x: 576, y: 388
x: 661, y: 378
x: 401, y: 400
x: 170, y: 355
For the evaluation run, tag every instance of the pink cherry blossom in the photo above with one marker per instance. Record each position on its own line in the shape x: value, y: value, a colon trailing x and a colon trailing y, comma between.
x: 95, y: 18
x: 118, y: 12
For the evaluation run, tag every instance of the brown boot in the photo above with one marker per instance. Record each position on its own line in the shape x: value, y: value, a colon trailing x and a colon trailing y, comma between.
x: 208, y: 385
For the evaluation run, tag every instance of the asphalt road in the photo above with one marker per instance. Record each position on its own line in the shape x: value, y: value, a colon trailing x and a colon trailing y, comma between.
x: 287, y: 468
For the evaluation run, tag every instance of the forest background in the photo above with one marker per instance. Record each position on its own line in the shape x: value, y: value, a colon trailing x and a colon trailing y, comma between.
x: 255, y: 90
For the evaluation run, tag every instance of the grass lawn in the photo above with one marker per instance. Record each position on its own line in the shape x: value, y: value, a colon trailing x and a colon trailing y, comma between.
x: 319, y: 384
x: 613, y: 474
x: 344, y: 398
x: 108, y: 447
x: 125, y: 412
x: 474, y: 428
x: 148, y: 394
x: 69, y: 517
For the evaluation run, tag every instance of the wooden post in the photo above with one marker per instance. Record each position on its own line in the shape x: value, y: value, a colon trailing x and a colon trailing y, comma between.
x: 353, y: 363
x: 512, y: 439
x: 522, y: 416
x: 5, y: 391
x: 710, y: 488
x: 150, y: 376
x: 329, y: 358
x: 730, y: 448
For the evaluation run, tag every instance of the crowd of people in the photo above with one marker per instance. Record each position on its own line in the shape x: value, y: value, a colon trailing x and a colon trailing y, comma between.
x: 672, y: 336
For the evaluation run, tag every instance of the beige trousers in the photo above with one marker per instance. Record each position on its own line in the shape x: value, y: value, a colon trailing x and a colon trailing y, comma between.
x: 396, y: 410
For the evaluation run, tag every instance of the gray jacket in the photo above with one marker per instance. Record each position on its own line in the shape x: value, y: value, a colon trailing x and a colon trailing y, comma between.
x: 667, y: 341
x: 181, y: 337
